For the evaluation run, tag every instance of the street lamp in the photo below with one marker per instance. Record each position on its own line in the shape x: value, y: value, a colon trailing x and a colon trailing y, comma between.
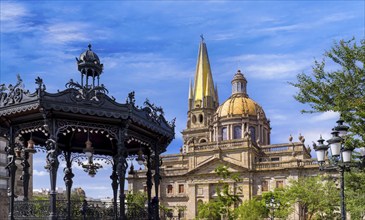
x: 340, y: 157
x: 272, y: 205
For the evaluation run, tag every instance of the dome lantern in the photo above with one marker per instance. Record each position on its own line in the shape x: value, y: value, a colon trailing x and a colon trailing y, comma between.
x: 239, y: 84
x: 89, y: 66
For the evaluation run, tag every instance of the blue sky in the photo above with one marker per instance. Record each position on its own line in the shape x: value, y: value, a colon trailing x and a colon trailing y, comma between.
x: 150, y: 47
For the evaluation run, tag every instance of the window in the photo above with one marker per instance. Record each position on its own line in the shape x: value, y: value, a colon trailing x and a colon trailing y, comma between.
x: 193, y: 119
x: 253, y: 133
x: 201, y: 118
x: 169, y: 189
x: 203, y: 140
x: 200, y: 191
x: 237, y: 132
x: 279, y: 184
x: 224, y: 133
x: 275, y: 159
x: 181, y: 213
x: 264, y: 186
x: 181, y: 188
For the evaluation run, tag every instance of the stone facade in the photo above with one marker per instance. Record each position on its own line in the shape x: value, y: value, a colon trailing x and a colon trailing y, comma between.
x: 235, y: 134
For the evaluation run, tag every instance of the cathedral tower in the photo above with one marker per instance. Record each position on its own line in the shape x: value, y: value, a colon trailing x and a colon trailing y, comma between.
x: 203, y: 99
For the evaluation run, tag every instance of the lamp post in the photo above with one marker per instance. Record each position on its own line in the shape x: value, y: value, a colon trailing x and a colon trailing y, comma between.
x: 340, y: 157
x: 272, y: 205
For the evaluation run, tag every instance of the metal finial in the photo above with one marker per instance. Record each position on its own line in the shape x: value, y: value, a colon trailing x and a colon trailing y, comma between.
x: 89, y: 46
x: 202, y: 37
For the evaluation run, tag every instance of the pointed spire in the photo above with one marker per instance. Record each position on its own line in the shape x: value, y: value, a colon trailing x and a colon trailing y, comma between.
x: 204, y: 91
x: 190, y: 90
x: 216, y: 93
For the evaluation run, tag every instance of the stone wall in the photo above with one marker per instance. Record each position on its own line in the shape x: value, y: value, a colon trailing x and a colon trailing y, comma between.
x: 4, y: 204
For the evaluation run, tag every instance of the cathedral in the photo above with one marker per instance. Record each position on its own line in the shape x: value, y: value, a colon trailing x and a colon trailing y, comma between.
x: 235, y: 133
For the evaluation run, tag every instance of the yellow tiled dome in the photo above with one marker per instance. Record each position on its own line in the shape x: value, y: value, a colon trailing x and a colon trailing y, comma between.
x: 239, y: 105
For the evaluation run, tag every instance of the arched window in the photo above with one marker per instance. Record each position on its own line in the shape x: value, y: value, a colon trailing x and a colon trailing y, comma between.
x: 253, y: 133
x: 194, y: 119
x: 202, y: 140
x: 169, y: 189
x: 237, y: 132
x: 224, y: 133
x: 201, y: 118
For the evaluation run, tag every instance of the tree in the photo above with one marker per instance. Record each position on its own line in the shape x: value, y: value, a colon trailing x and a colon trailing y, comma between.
x: 226, y: 200
x: 341, y: 90
x: 251, y: 210
x: 318, y: 196
x: 283, y: 205
x: 137, y: 198
x: 355, y: 194
x: 136, y: 204
x: 210, y: 210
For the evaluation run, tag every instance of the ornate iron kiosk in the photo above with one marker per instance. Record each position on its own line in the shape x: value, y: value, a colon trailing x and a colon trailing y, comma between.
x: 82, y: 120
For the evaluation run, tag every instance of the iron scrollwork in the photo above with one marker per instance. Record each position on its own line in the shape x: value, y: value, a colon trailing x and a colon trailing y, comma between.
x: 12, y: 94
x: 87, y: 94
x: 155, y: 113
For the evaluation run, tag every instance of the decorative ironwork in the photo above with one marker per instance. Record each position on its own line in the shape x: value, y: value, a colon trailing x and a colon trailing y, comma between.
x: 67, y: 126
x: 57, y: 125
x: 131, y: 100
x: 95, y: 210
x: 41, y: 86
x: 172, y: 123
x: 91, y: 168
x: 86, y: 93
x: 14, y: 93
x: 154, y: 112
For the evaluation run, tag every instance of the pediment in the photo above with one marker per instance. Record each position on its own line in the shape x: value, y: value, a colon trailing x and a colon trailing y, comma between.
x: 209, y: 166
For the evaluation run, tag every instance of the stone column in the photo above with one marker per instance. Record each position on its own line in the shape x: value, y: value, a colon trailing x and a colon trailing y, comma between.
x: 192, y: 204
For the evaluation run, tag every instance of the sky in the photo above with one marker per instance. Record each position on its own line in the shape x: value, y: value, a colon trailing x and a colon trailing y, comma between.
x: 151, y: 47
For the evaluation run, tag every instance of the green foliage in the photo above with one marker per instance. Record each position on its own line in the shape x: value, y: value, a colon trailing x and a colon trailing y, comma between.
x: 283, y: 205
x: 210, y: 210
x: 137, y: 198
x: 136, y: 203
x: 341, y: 90
x: 226, y: 200
x: 40, y: 197
x: 355, y: 194
x: 317, y: 195
x: 251, y: 210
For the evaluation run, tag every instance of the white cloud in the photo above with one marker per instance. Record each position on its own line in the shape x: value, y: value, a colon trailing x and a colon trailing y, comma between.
x: 325, y: 116
x: 13, y: 18
x: 10, y: 11
x: 271, y: 66
x: 307, y: 25
x: 40, y: 173
x: 145, y: 66
x: 100, y: 188
x: 66, y: 32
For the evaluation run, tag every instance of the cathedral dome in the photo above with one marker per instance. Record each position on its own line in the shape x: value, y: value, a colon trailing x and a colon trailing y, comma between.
x: 240, y: 105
